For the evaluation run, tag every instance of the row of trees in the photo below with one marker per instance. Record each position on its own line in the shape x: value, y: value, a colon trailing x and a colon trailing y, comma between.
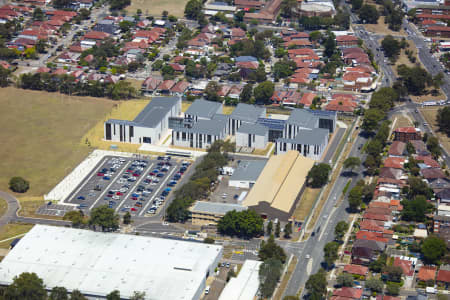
x: 67, y: 84
x: 243, y: 224
x: 273, y: 258
x: 199, y: 185
x: 28, y: 286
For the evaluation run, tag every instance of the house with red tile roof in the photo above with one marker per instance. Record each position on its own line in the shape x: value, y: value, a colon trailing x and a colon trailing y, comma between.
x: 165, y: 86
x: 343, y: 105
x: 346, y: 41
x: 432, y: 174
x: 96, y: 35
x: 377, y: 217
x: 406, y: 266
x: 177, y: 67
x: 371, y: 236
x: 394, y: 162
x: 301, y: 43
x: 150, y: 84
x: 356, y: 81
x: 347, y: 293
x: 288, y: 98
x: 356, y: 270
x: 427, y: 160
x: 43, y: 70
x: 237, y: 33
x: 406, y: 134
x: 443, y: 277
x: 397, y: 149
x: 307, y: 99
x: 426, y: 273
x: 180, y: 88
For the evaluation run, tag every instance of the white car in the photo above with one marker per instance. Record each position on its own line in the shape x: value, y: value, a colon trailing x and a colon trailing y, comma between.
x: 307, y: 256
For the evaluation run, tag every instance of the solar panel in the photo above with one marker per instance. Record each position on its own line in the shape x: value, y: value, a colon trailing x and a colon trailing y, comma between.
x: 273, y: 124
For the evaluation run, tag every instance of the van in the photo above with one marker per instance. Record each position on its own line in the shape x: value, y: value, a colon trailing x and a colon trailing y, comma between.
x: 207, y: 290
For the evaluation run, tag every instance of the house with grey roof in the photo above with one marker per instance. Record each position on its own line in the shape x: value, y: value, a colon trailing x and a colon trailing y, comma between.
x: 149, y: 126
x: 307, y: 132
x: 245, y: 113
x: 252, y: 136
x: 209, y: 213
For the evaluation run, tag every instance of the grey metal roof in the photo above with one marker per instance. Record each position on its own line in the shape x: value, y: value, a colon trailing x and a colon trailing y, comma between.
x: 247, y: 112
x: 303, y: 118
x: 203, y: 108
x: 221, y: 117
x: 155, y: 111
x: 256, y: 129
x: 216, y: 207
x: 122, y: 122
x: 308, y: 137
x: 211, y: 127
x: 248, y: 170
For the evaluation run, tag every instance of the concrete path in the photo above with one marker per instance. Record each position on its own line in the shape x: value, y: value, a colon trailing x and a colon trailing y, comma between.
x: 13, y: 207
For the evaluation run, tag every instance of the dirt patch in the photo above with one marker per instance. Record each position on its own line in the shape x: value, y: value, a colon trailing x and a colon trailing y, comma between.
x: 382, y: 28
x: 403, y: 121
x: 156, y: 7
x: 429, y: 97
x: 430, y: 116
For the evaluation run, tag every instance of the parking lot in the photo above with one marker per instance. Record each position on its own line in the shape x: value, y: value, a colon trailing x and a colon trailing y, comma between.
x: 137, y: 185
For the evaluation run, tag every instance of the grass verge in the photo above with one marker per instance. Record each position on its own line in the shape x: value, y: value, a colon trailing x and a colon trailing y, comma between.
x: 10, y: 230
x: 306, y: 203
x: 430, y: 116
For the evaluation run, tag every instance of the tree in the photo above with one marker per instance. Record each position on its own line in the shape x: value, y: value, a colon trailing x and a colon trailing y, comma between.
x: 345, y: 279
x: 352, y: 162
x: 246, y: 94
x: 209, y: 240
x: 58, y: 293
x: 433, y: 248
x: 26, y: 286
x: 246, y: 224
x: 391, y: 46
x: 437, y: 81
x: 61, y: 3
x: 287, y: 230
x: 378, y: 265
x: 38, y: 14
x: 127, y: 218
x: 433, y: 146
x: 269, y: 228
x: 394, y: 273
x: 76, y: 217
x: 77, y: 295
x: 415, y: 79
x: 357, y: 4
x: 410, y: 148
x: 317, y: 285
x: 18, y: 185
x: 85, y: 13
x: 283, y: 68
x: 114, y: 295
x: 330, y: 45
x: 330, y: 253
x: 369, y: 14
x: 355, y: 197
x: 119, y: 4
x: 288, y: 8
x: 340, y: 229
x: 138, y: 296
x: 211, y: 91
x: 277, y: 229
x: 105, y: 217
x: 270, y: 249
x: 318, y: 175
x: 415, y: 209
x: 4, y: 77
x: 371, y: 119
x: 269, y: 274
x: 392, y: 289
x: 443, y: 120
x: 193, y: 9
x: 374, y: 284
x: 264, y: 91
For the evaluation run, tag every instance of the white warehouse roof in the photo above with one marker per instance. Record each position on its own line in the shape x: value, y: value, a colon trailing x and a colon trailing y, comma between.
x: 245, y: 285
x: 97, y: 263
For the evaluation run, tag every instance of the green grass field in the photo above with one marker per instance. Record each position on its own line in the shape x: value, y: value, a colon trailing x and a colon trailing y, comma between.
x: 41, y: 135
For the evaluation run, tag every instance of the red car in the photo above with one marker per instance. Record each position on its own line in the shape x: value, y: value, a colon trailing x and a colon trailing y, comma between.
x: 109, y: 195
x: 100, y: 174
x: 136, y: 175
x: 133, y: 209
x: 134, y: 198
x: 151, y: 174
x: 119, y: 194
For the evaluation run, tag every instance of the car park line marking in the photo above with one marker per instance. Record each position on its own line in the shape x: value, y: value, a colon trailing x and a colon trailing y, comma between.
x: 136, y: 184
x: 157, y: 191
x: 84, y: 182
x: 109, y: 185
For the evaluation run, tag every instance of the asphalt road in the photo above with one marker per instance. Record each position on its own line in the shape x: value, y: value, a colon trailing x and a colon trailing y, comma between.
x: 334, y: 144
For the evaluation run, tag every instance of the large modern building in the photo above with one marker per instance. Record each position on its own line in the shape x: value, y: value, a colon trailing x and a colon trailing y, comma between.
x: 97, y: 263
x: 149, y: 126
x: 307, y: 132
x: 279, y: 187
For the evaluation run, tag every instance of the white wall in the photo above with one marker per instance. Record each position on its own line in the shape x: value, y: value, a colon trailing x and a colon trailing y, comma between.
x: 259, y: 141
x: 240, y: 184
